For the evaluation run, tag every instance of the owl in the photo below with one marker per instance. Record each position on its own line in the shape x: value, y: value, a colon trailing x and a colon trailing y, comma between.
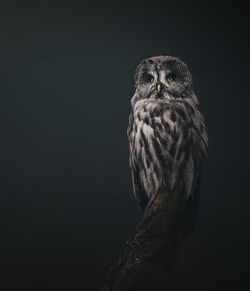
x: 167, y: 140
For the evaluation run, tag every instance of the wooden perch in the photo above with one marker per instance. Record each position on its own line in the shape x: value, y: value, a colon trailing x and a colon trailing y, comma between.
x: 142, y: 249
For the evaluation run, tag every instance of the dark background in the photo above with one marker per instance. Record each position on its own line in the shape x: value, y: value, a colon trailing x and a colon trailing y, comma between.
x: 65, y: 87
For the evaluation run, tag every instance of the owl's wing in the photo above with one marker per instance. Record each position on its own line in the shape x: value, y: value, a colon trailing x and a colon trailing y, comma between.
x: 138, y: 190
x: 139, y: 193
x: 199, y: 152
x: 193, y: 175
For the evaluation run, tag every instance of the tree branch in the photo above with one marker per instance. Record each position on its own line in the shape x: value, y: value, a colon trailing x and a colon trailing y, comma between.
x: 141, y: 250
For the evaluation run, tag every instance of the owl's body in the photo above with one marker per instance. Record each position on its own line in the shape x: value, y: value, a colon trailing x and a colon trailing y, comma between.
x: 167, y: 135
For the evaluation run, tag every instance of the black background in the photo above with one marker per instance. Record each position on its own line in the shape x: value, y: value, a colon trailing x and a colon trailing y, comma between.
x: 65, y: 87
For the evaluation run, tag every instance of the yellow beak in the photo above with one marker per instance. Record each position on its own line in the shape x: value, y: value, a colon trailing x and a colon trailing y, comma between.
x: 159, y: 88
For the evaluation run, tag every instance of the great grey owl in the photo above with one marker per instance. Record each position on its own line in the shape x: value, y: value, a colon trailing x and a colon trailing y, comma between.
x: 167, y: 139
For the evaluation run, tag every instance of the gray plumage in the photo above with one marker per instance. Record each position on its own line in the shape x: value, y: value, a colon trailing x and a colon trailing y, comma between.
x: 167, y: 135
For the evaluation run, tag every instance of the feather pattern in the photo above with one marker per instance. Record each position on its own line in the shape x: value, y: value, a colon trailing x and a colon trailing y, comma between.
x: 166, y: 132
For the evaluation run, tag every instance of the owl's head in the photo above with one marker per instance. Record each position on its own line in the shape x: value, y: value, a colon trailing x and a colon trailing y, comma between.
x: 163, y: 77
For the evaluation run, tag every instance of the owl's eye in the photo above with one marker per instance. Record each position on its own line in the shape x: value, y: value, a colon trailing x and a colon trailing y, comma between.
x: 170, y: 79
x: 149, y: 78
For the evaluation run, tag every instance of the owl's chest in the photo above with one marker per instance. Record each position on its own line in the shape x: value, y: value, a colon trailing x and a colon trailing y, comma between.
x: 165, y: 144
x: 159, y: 135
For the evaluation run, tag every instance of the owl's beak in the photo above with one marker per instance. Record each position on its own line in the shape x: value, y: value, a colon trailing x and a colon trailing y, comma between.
x: 159, y: 88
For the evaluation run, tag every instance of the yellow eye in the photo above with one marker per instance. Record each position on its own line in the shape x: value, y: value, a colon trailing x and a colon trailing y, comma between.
x: 152, y: 81
x: 170, y: 79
